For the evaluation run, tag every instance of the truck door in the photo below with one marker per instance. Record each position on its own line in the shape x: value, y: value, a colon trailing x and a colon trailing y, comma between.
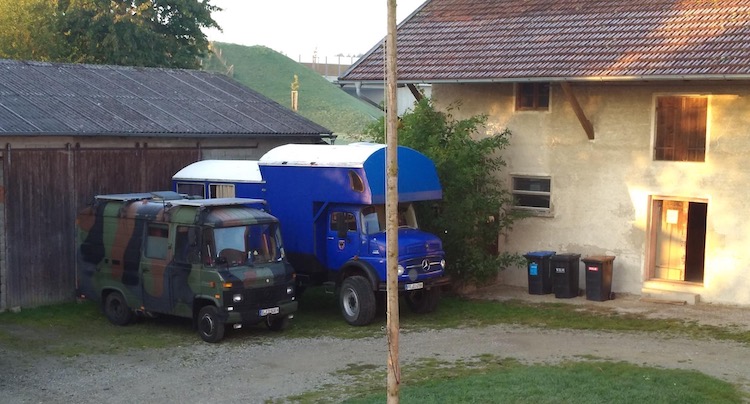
x: 342, y: 239
x: 156, y: 256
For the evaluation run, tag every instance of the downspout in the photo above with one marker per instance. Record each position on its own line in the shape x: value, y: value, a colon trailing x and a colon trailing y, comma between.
x: 358, y: 91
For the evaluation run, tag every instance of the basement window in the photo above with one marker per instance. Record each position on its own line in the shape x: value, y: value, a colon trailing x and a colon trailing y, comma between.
x: 532, y: 193
x: 532, y: 97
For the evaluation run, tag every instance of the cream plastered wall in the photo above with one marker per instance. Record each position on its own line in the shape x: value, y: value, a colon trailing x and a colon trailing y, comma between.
x: 602, y: 188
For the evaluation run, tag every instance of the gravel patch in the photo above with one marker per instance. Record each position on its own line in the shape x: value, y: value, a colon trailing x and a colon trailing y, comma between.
x: 249, y: 371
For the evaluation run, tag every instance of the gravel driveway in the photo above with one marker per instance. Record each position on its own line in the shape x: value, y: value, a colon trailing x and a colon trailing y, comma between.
x: 250, y: 372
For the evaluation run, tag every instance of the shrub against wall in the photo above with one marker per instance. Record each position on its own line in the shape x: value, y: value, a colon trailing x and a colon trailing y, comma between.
x: 476, y: 208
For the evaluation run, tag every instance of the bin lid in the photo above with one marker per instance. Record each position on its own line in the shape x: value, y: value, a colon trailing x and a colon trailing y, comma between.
x: 565, y: 257
x: 539, y: 254
x: 599, y: 258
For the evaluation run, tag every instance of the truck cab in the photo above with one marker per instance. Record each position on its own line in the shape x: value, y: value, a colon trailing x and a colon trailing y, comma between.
x: 219, y: 261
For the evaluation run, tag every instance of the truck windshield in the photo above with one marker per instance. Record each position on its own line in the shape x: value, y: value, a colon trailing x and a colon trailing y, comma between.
x: 242, y: 245
x: 373, y: 217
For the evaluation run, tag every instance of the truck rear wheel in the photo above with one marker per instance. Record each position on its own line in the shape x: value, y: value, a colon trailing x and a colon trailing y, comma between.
x: 423, y: 300
x: 116, y: 309
x: 357, y: 300
x: 210, y: 327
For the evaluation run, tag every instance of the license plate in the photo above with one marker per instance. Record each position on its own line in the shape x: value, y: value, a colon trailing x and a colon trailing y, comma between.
x: 265, y: 312
x: 414, y: 286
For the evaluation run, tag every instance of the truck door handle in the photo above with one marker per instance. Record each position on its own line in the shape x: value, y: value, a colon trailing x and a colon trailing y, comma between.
x: 330, y: 237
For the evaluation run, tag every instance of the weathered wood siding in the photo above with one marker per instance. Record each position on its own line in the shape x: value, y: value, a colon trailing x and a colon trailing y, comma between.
x: 44, y: 189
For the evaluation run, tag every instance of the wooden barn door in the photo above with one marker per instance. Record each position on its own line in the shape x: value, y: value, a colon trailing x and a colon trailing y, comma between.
x: 43, y: 191
x: 39, y: 218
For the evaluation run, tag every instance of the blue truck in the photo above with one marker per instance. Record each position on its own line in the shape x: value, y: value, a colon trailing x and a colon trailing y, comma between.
x: 330, y: 200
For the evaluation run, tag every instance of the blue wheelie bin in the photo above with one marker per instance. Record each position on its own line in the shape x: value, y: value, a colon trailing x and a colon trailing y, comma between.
x: 540, y: 272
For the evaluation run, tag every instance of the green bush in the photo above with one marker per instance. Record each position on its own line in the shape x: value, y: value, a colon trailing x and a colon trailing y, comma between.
x: 476, y: 208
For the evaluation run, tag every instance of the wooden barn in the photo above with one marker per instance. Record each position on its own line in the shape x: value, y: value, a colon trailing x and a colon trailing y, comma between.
x: 70, y: 132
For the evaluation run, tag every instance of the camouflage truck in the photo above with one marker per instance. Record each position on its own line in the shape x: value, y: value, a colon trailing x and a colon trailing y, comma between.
x: 218, y: 261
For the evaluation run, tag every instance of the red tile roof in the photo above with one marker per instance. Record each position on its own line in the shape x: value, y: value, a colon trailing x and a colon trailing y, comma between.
x: 513, y: 40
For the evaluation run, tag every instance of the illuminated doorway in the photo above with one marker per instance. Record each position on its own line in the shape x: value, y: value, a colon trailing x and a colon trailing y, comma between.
x: 678, y: 239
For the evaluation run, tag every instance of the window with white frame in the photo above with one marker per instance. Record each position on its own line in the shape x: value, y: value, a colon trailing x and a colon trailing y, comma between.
x: 532, y: 193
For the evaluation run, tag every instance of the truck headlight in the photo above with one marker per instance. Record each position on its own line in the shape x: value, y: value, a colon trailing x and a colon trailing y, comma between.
x: 237, y: 298
x: 400, y: 270
x: 442, y: 263
x: 289, y: 290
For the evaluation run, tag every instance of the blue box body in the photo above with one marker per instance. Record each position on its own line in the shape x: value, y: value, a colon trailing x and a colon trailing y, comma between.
x: 307, y: 186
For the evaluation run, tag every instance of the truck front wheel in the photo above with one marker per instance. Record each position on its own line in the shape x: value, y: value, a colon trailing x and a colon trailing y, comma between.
x: 357, y: 300
x: 116, y: 309
x: 210, y: 326
x: 423, y: 300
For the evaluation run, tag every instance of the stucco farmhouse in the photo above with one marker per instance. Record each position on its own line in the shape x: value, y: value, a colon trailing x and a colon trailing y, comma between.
x: 630, y: 122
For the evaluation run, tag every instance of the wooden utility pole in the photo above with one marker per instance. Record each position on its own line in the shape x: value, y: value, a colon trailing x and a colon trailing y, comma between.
x: 391, y: 206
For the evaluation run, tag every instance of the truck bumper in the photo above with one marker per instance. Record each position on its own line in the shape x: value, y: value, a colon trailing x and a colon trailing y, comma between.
x: 257, y: 315
x: 423, y: 284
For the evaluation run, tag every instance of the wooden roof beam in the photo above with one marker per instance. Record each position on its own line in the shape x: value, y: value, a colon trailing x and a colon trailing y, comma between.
x: 571, y: 97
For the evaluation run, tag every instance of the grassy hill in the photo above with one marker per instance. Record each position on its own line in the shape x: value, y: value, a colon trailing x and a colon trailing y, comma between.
x: 271, y: 74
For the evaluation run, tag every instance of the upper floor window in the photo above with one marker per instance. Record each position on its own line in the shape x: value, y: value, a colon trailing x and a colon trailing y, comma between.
x: 681, y: 128
x: 532, y: 96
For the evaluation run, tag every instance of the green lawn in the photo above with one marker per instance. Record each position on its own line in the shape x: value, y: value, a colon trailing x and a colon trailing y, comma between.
x: 503, y: 381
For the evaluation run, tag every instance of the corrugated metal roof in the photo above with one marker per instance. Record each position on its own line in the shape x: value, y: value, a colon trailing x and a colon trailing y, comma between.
x: 38, y: 98
x: 486, y: 40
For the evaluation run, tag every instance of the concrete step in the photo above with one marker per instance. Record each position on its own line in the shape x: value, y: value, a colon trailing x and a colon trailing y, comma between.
x: 669, y: 296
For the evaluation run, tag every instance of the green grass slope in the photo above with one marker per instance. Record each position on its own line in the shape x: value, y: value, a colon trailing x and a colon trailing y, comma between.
x: 271, y: 74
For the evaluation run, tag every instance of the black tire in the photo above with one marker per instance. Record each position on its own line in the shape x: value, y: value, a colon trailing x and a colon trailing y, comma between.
x: 210, y: 327
x: 423, y: 300
x: 277, y: 323
x: 116, y: 309
x: 357, y: 300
